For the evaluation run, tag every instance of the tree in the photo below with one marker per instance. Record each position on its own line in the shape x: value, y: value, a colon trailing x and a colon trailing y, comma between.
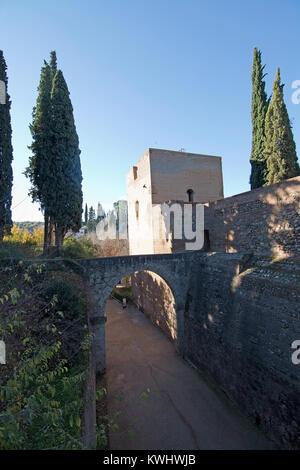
x: 279, y: 145
x: 92, y: 213
x: 53, y: 64
x: 66, y: 202
x: 38, y: 171
x: 91, y: 225
x: 259, y: 109
x: 54, y: 167
x: 6, y: 155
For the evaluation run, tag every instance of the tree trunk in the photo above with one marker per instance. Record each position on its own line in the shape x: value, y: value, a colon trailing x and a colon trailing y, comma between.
x: 46, y: 234
x: 49, y: 236
x: 59, y: 238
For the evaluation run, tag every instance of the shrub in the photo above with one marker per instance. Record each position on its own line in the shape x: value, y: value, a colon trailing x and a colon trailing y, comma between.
x: 68, y: 299
x: 41, y: 385
x: 22, y: 243
x: 78, y: 248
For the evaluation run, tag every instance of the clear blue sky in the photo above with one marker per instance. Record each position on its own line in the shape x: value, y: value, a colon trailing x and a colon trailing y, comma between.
x: 148, y: 73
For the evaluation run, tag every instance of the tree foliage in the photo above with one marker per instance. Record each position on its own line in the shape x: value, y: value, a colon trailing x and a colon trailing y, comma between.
x: 279, y: 146
x: 259, y: 109
x: 43, y: 322
x: 66, y: 205
x: 92, y: 222
x: 6, y: 156
x: 41, y: 386
x: 54, y: 166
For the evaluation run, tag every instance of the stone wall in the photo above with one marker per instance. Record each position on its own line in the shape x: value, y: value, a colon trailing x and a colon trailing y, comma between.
x: 240, y: 322
x: 174, y: 173
x: 264, y: 221
x: 153, y: 296
x: 139, y: 197
x: 242, y: 314
x: 164, y: 175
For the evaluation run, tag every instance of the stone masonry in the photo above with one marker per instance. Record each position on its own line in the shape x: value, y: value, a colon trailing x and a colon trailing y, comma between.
x: 236, y: 316
x: 265, y: 221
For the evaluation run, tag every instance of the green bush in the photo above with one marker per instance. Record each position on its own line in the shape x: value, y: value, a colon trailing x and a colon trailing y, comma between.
x: 41, y: 385
x: 69, y: 300
x: 78, y: 248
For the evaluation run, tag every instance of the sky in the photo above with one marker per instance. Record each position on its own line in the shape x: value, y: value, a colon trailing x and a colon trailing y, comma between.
x: 168, y: 74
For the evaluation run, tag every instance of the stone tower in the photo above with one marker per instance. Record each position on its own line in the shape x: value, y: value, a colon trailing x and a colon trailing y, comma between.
x: 165, y: 175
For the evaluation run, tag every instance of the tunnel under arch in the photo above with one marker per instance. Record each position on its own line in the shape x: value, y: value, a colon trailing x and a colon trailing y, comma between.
x: 153, y: 296
x: 103, y: 274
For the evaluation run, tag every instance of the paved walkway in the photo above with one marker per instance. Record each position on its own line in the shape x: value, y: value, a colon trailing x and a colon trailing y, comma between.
x: 179, y: 410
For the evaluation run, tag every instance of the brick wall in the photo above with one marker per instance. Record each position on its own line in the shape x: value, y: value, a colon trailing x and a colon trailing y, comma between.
x: 242, y: 314
x: 239, y: 329
x: 152, y: 295
x: 264, y: 221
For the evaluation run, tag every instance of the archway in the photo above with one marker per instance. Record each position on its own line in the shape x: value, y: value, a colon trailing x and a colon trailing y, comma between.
x: 153, y: 296
x: 104, y: 273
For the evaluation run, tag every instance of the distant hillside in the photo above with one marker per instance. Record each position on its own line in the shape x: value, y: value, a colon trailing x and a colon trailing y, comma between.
x: 30, y: 226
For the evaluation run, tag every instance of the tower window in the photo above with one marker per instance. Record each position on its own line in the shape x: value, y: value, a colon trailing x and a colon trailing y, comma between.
x: 137, y: 206
x: 190, y: 194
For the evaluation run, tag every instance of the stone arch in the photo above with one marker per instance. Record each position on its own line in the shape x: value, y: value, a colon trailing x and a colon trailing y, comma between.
x: 153, y: 296
x: 104, y: 273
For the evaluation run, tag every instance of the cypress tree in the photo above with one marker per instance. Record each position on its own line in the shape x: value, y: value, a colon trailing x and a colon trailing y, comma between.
x: 279, y: 146
x: 6, y: 155
x: 53, y: 63
x: 38, y: 170
x: 54, y: 167
x: 259, y: 109
x: 92, y: 220
x: 66, y: 203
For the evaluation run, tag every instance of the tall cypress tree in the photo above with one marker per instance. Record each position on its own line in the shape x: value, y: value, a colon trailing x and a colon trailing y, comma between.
x: 6, y: 155
x: 66, y: 204
x: 38, y: 170
x: 54, y: 167
x: 259, y: 109
x: 279, y: 147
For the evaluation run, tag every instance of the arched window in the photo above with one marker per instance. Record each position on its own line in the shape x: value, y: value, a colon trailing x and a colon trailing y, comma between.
x: 137, y: 206
x: 190, y: 194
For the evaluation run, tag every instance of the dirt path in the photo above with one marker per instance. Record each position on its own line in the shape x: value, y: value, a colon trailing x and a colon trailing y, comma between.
x: 179, y: 410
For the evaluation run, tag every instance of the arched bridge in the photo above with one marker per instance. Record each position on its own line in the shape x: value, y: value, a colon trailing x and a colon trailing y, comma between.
x: 103, y: 274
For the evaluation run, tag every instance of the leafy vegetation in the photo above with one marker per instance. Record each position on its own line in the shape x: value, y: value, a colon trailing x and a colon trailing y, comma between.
x: 280, y: 148
x: 41, y: 391
x: 78, y: 248
x: 21, y: 243
x: 273, y: 155
x: 259, y: 109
